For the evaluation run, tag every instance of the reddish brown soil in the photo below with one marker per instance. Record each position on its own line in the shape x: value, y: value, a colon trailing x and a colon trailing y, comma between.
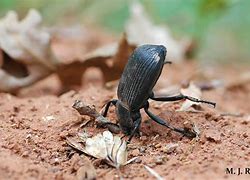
x: 32, y: 147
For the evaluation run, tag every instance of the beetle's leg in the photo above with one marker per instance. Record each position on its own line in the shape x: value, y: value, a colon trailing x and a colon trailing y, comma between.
x: 136, y: 126
x: 157, y: 119
x: 180, y: 97
x: 113, y: 102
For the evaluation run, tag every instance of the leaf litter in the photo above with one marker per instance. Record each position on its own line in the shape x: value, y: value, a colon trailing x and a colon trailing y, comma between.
x: 104, y: 146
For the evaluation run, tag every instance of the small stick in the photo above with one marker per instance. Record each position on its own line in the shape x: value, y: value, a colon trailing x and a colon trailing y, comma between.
x: 153, y: 172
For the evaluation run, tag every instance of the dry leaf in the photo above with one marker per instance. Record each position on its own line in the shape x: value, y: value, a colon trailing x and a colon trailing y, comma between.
x: 26, y: 56
x: 26, y: 53
x: 25, y: 41
x: 104, y: 146
x: 110, y: 59
x: 140, y: 30
x: 108, y: 147
x: 193, y: 91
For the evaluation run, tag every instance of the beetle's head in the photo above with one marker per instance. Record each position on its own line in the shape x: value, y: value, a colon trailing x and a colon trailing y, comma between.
x: 124, y: 118
x: 157, y: 52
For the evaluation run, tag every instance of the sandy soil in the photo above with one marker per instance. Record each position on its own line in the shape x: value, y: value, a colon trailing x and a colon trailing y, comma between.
x: 34, y: 126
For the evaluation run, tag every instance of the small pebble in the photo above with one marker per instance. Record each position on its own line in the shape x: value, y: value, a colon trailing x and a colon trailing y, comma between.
x: 213, y: 135
x: 159, y: 160
x: 245, y: 135
x: 152, y: 165
x: 169, y: 148
x: 142, y: 149
x: 138, y: 160
x: 158, y: 145
x: 143, y: 138
x: 25, y: 154
x: 135, y: 152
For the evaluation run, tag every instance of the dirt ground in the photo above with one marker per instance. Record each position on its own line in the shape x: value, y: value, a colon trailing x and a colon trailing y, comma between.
x: 35, y: 123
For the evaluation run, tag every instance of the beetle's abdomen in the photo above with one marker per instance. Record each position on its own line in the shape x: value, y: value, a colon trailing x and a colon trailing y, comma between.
x: 140, y: 75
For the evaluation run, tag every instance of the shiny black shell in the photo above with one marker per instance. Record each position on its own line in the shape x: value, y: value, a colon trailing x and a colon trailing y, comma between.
x: 140, y: 75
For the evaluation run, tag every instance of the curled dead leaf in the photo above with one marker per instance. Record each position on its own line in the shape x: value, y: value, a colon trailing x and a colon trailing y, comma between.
x: 110, y: 59
x: 26, y: 49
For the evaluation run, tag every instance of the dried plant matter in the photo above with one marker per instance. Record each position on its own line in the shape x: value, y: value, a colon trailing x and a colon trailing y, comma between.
x: 25, y: 51
x: 153, y: 172
x: 84, y: 109
x: 140, y: 30
x: 110, y: 59
x: 105, y: 146
x: 26, y: 56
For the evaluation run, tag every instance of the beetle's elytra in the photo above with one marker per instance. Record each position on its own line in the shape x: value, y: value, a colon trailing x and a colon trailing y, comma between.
x: 136, y: 86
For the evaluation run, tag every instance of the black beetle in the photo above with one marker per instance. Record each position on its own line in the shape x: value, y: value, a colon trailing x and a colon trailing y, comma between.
x: 135, y: 88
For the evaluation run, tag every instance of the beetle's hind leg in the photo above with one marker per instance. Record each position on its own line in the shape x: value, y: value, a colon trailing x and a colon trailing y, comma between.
x: 180, y: 97
x: 157, y: 119
x: 111, y: 102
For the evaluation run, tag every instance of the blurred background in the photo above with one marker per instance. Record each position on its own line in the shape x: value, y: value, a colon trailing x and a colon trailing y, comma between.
x: 220, y: 28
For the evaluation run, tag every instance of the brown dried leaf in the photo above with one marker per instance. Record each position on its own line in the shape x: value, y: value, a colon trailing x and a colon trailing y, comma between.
x: 111, y: 60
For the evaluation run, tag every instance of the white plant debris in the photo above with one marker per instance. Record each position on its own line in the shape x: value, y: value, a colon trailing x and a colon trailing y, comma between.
x: 153, y: 172
x: 140, y: 30
x: 108, y: 147
x: 25, y: 40
x: 193, y: 91
x: 48, y: 118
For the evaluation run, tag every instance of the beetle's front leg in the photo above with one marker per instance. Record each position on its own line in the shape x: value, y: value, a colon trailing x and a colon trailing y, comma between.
x: 136, y: 126
x: 157, y: 119
x: 113, y: 102
x: 180, y: 97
